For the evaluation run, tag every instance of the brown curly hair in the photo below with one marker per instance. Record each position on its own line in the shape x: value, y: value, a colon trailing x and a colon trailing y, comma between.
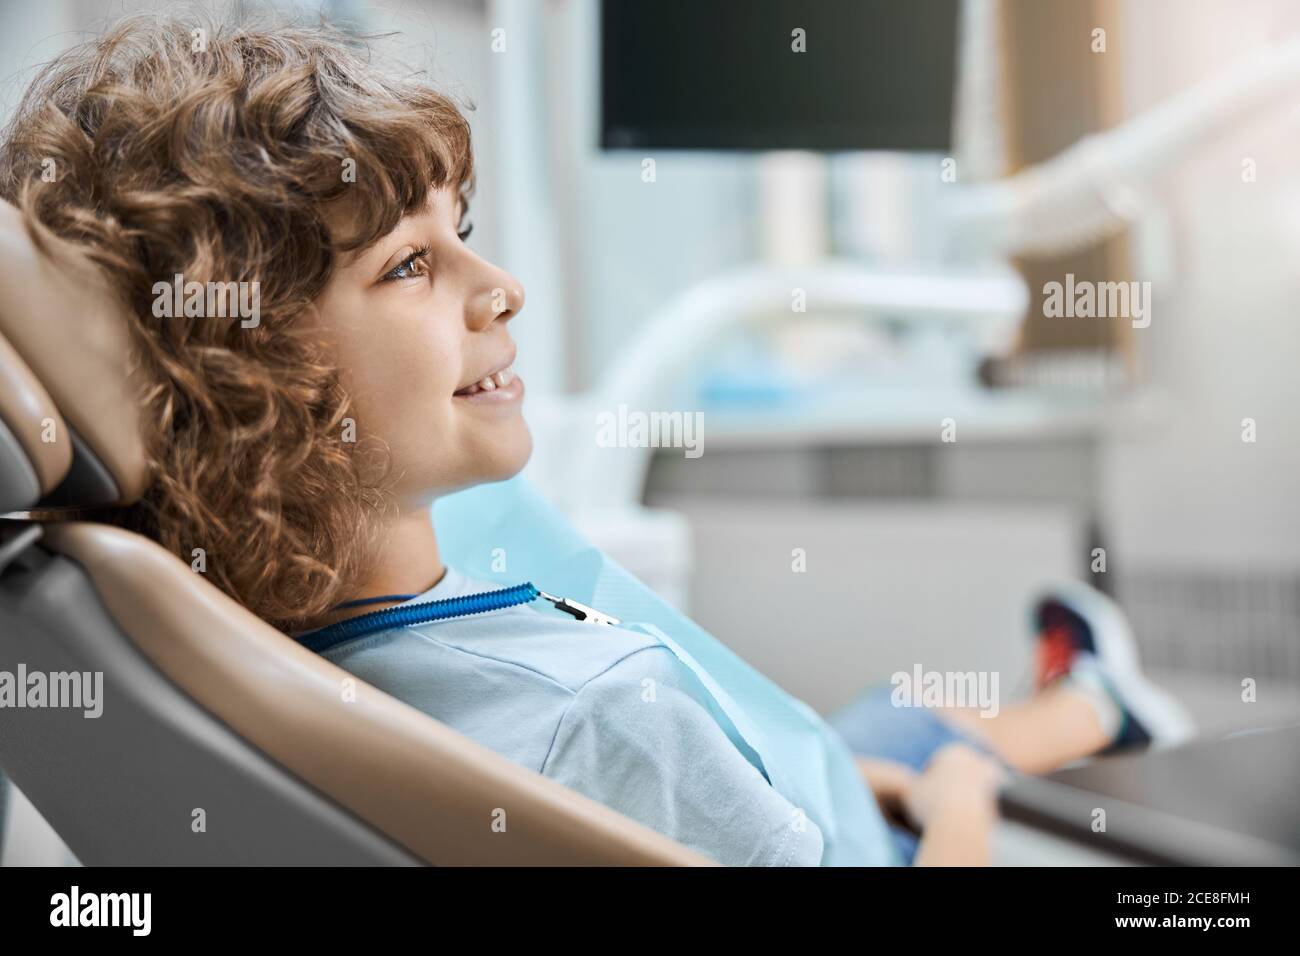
x: 224, y: 164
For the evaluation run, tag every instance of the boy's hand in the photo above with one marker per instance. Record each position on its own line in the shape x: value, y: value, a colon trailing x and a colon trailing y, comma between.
x: 889, y: 783
x: 957, y: 777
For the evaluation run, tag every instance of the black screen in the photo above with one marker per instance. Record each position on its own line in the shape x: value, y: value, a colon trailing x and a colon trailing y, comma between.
x: 722, y: 74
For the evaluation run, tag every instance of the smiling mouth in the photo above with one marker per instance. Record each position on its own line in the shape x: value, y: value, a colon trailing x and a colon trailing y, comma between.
x: 489, y: 383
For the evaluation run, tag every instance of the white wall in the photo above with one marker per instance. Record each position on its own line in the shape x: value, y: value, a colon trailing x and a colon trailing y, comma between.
x: 1224, y: 339
x: 29, y: 35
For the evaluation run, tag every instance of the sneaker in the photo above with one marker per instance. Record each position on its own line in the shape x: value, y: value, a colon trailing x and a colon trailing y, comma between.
x: 1080, y: 628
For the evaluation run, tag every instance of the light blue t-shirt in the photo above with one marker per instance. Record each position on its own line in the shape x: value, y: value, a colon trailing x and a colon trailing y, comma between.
x: 609, y: 712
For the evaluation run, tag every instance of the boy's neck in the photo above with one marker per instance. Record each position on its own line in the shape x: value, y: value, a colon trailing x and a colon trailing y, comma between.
x: 410, y: 562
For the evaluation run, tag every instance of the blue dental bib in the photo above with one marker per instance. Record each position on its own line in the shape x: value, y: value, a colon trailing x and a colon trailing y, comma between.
x: 508, y: 532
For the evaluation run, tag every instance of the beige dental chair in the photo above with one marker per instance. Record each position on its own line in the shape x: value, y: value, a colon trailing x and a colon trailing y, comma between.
x: 221, y: 741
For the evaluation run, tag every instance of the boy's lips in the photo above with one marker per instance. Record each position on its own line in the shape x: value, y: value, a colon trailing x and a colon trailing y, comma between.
x: 492, y: 373
x: 501, y: 395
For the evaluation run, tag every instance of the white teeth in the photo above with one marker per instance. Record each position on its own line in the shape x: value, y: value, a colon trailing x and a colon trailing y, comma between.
x: 491, y: 382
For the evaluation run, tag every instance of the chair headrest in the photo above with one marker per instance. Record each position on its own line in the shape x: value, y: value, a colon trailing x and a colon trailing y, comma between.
x: 70, y: 420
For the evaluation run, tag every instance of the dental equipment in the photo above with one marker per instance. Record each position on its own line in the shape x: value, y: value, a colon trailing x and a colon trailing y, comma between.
x: 1097, y: 187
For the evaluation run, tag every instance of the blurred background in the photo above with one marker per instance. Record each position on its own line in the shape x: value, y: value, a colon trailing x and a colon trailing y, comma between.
x: 829, y: 230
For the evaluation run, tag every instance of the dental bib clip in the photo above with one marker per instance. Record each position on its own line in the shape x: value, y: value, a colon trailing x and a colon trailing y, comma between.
x: 580, y: 611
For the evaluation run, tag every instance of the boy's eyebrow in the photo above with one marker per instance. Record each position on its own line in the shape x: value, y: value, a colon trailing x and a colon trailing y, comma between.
x: 354, y: 258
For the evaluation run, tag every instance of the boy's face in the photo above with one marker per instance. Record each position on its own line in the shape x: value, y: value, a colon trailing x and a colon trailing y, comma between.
x: 415, y: 320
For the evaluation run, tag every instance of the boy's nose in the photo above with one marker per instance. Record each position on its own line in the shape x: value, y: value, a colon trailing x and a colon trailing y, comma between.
x: 498, y: 295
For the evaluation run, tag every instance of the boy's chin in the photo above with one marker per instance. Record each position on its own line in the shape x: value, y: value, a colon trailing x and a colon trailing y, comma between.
x: 499, y: 462
x: 509, y: 461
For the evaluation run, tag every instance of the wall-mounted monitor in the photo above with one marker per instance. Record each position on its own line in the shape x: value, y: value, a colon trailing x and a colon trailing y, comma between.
x: 737, y: 74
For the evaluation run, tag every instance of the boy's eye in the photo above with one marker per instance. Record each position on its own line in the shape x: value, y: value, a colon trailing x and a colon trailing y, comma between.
x: 407, y: 268
x: 465, y: 231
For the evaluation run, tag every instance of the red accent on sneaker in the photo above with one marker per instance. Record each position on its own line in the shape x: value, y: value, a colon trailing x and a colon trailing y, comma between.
x: 1054, y: 655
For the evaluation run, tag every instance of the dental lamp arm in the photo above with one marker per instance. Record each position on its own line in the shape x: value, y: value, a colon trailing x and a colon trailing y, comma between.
x: 1093, y: 189
x: 651, y: 368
